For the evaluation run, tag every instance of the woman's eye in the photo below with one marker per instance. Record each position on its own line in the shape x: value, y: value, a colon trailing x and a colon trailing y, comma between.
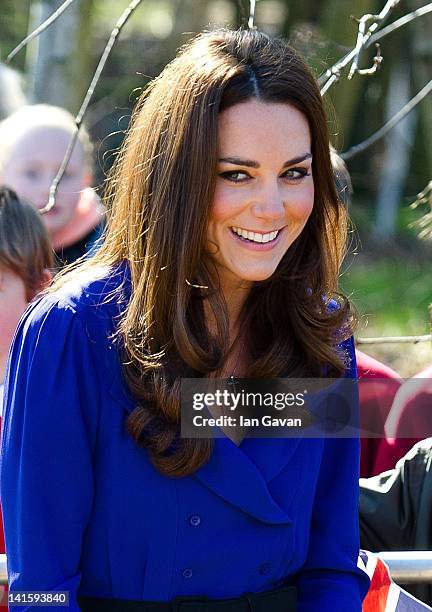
x: 235, y: 176
x: 296, y: 173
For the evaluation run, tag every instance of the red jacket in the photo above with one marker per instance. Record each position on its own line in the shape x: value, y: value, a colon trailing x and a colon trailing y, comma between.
x: 376, y: 398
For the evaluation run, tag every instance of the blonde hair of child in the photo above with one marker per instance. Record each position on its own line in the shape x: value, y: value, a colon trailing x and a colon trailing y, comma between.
x: 41, y: 115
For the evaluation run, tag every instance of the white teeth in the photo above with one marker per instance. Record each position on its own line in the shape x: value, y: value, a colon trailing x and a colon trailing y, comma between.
x: 254, y: 236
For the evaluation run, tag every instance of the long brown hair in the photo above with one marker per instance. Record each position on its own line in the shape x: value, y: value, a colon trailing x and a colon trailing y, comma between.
x: 159, y: 199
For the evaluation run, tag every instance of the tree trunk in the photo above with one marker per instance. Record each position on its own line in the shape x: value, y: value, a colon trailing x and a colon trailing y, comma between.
x: 397, y: 153
x: 422, y: 71
x: 50, y: 67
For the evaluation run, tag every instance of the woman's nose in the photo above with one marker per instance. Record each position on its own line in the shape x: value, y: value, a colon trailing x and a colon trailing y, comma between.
x: 270, y: 203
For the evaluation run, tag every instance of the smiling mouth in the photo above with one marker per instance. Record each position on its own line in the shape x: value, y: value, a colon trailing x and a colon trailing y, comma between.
x: 259, y: 238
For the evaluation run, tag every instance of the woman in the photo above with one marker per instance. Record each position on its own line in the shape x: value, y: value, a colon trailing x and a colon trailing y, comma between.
x: 223, y: 221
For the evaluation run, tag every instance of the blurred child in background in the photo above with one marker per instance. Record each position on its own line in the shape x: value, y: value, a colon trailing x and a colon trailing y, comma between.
x: 26, y: 259
x: 34, y: 140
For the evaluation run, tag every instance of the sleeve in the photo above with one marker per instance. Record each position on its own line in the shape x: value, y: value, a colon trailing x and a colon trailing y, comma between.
x: 330, y: 579
x: 49, y: 429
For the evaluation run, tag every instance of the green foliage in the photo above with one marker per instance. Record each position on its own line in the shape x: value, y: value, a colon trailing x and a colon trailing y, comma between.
x: 13, y: 27
x: 363, y: 216
x: 392, y: 295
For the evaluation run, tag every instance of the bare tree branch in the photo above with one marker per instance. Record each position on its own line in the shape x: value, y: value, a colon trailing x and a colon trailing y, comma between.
x: 409, y: 106
x: 376, y: 63
x: 423, y: 10
x: 333, y: 74
x: 425, y: 223
x: 81, y: 113
x: 365, y: 33
x: 424, y: 197
x: 43, y: 26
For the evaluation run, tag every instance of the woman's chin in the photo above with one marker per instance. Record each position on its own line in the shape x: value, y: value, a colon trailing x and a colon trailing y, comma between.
x: 255, y: 276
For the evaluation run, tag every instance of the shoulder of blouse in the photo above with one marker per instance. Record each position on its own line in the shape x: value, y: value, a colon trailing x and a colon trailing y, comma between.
x: 96, y: 299
x: 99, y: 294
x: 78, y: 320
x: 102, y: 290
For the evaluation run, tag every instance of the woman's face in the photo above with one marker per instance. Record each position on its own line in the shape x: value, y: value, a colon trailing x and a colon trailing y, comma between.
x: 33, y: 162
x: 264, y: 189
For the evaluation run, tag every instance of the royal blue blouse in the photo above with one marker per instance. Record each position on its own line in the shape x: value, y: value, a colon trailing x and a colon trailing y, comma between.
x: 86, y: 512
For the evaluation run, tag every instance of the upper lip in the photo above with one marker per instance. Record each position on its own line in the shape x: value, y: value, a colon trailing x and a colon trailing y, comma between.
x: 257, y: 231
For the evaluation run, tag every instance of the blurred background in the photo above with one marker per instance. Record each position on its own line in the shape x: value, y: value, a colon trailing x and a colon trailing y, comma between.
x: 388, y: 270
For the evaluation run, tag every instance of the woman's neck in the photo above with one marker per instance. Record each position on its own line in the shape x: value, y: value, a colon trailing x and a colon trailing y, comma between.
x: 234, y: 301
x: 235, y: 363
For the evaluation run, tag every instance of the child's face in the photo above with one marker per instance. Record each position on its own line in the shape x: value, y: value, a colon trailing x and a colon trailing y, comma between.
x: 13, y: 302
x: 33, y: 161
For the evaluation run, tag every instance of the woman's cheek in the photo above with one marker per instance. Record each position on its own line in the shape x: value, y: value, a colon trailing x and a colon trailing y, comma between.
x: 304, y: 203
x: 225, y: 206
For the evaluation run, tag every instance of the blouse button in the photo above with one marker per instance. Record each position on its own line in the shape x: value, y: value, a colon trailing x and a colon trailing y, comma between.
x: 195, y: 520
x: 187, y: 573
x: 264, y: 568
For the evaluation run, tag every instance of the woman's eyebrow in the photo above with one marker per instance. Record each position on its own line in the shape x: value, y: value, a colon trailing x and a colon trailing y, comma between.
x: 297, y: 160
x: 237, y: 161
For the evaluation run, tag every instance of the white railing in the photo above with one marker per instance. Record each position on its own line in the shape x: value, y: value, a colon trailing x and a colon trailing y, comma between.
x: 409, y: 566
